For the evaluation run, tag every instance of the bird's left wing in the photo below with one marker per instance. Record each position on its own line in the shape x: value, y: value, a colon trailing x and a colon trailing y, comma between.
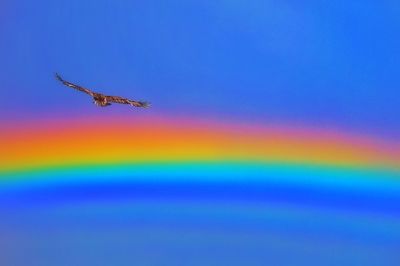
x: 71, y: 85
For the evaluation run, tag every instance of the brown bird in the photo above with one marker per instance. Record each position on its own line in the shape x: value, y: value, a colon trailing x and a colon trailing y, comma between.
x: 101, y: 99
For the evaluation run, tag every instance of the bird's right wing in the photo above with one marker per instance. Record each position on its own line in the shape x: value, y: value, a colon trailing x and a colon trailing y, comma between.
x: 122, y: 100
x: 71, y: 85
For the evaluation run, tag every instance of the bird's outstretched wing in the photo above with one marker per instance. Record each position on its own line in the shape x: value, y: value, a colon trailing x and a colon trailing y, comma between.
x: 117, y: 99
x: 79, y: 88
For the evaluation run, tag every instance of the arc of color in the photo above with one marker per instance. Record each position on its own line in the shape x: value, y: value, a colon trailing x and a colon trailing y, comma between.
x: 161, y: 158
x: 124, y: 141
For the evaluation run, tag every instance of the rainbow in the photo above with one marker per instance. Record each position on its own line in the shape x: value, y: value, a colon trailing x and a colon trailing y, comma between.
x: 128, y: 151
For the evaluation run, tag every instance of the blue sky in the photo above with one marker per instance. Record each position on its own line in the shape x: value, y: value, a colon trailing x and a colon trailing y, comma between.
x: 320, y: 63
x: 326, y: 64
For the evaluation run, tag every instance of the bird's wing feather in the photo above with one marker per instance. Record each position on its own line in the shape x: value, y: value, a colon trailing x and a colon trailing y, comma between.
x: 117, y: 99
x: 71, y: 85
x: 122, y: 100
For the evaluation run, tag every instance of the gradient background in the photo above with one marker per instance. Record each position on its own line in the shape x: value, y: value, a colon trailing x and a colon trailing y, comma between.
x: 273, y: 136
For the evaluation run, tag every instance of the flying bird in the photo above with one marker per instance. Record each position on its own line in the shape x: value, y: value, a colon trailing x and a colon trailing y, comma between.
x: 101, y: 99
